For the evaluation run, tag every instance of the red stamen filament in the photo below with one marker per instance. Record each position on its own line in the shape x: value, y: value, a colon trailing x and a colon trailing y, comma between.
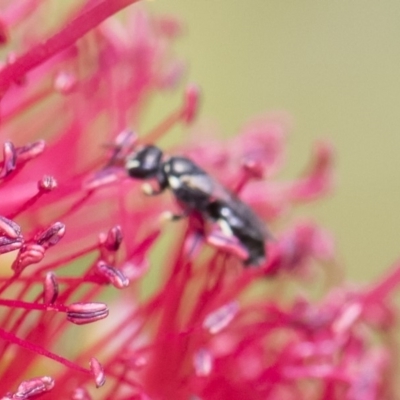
x: 385, y: 287
x: 9, y: 337
x: 60, y: 41
x: 26, y: 105
x: 160, y: 130
x: 31, y: 306
x: 30, y: 202
x: 243, y: 180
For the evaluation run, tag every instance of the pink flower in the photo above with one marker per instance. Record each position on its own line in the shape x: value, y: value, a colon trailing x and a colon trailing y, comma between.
x: 169, y: 310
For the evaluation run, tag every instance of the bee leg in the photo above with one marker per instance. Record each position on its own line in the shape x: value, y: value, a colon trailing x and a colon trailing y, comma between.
x: 225, y: 227
x: 170, y: 216
x: 222, y: 238
x: 149, y: 190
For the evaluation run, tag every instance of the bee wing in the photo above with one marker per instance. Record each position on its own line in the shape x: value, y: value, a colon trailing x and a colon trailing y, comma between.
x: 200, y: 183
x: 203, y: 184
x: 238, y: 214
x: 237, y: 211
x: 251, y: 222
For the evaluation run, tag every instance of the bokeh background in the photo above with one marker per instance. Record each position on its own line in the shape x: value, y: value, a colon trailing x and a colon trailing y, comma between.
x: 334, y: 66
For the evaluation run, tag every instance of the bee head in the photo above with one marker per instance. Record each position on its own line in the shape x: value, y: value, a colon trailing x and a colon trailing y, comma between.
x: 144, y: 163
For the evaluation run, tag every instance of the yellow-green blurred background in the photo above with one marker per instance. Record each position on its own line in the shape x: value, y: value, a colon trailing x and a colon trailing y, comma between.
x: 334, y: 66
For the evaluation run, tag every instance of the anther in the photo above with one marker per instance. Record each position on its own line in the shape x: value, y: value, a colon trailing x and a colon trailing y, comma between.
x: 347, y: 318
x: 34, y: 387
x: 30, y: 151
x: 98, y: 372
x: 123, y: 145
x: 203, y: 362
x: 102, y: 178
x: 51, y: 236
x: 9, y: 159
x: 126, y: 139
x: 112, y: 240
x: 7, y: 244
x: 86, y: 313
x: 221, y: 318
x: 50, y: 288
x: 28, y: 254
x: 9, y: 228
x: 112, y: 275
x: 47, y: 184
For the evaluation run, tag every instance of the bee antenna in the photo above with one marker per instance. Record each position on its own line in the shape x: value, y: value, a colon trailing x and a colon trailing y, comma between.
x: 193, y: 244
x: 122, y: 146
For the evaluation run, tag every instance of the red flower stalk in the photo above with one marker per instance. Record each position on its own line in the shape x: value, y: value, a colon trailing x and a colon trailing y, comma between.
x: 75, y: 230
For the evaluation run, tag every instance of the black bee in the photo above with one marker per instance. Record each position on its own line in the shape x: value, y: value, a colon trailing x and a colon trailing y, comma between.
x: 197, y: 191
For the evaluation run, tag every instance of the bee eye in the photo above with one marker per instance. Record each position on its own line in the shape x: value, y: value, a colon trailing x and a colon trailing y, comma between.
x: 144, y: 163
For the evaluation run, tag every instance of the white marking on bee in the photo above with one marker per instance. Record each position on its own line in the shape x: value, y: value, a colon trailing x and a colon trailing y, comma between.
x: 225, y: 228
x: 228, y: 214
x: 130, y: 164
x: 174, y: 182
x: 180, y: 166
x: 225, y: 211
x: 166, y: 216
x: 198, y: 182
x: 147, y: 189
